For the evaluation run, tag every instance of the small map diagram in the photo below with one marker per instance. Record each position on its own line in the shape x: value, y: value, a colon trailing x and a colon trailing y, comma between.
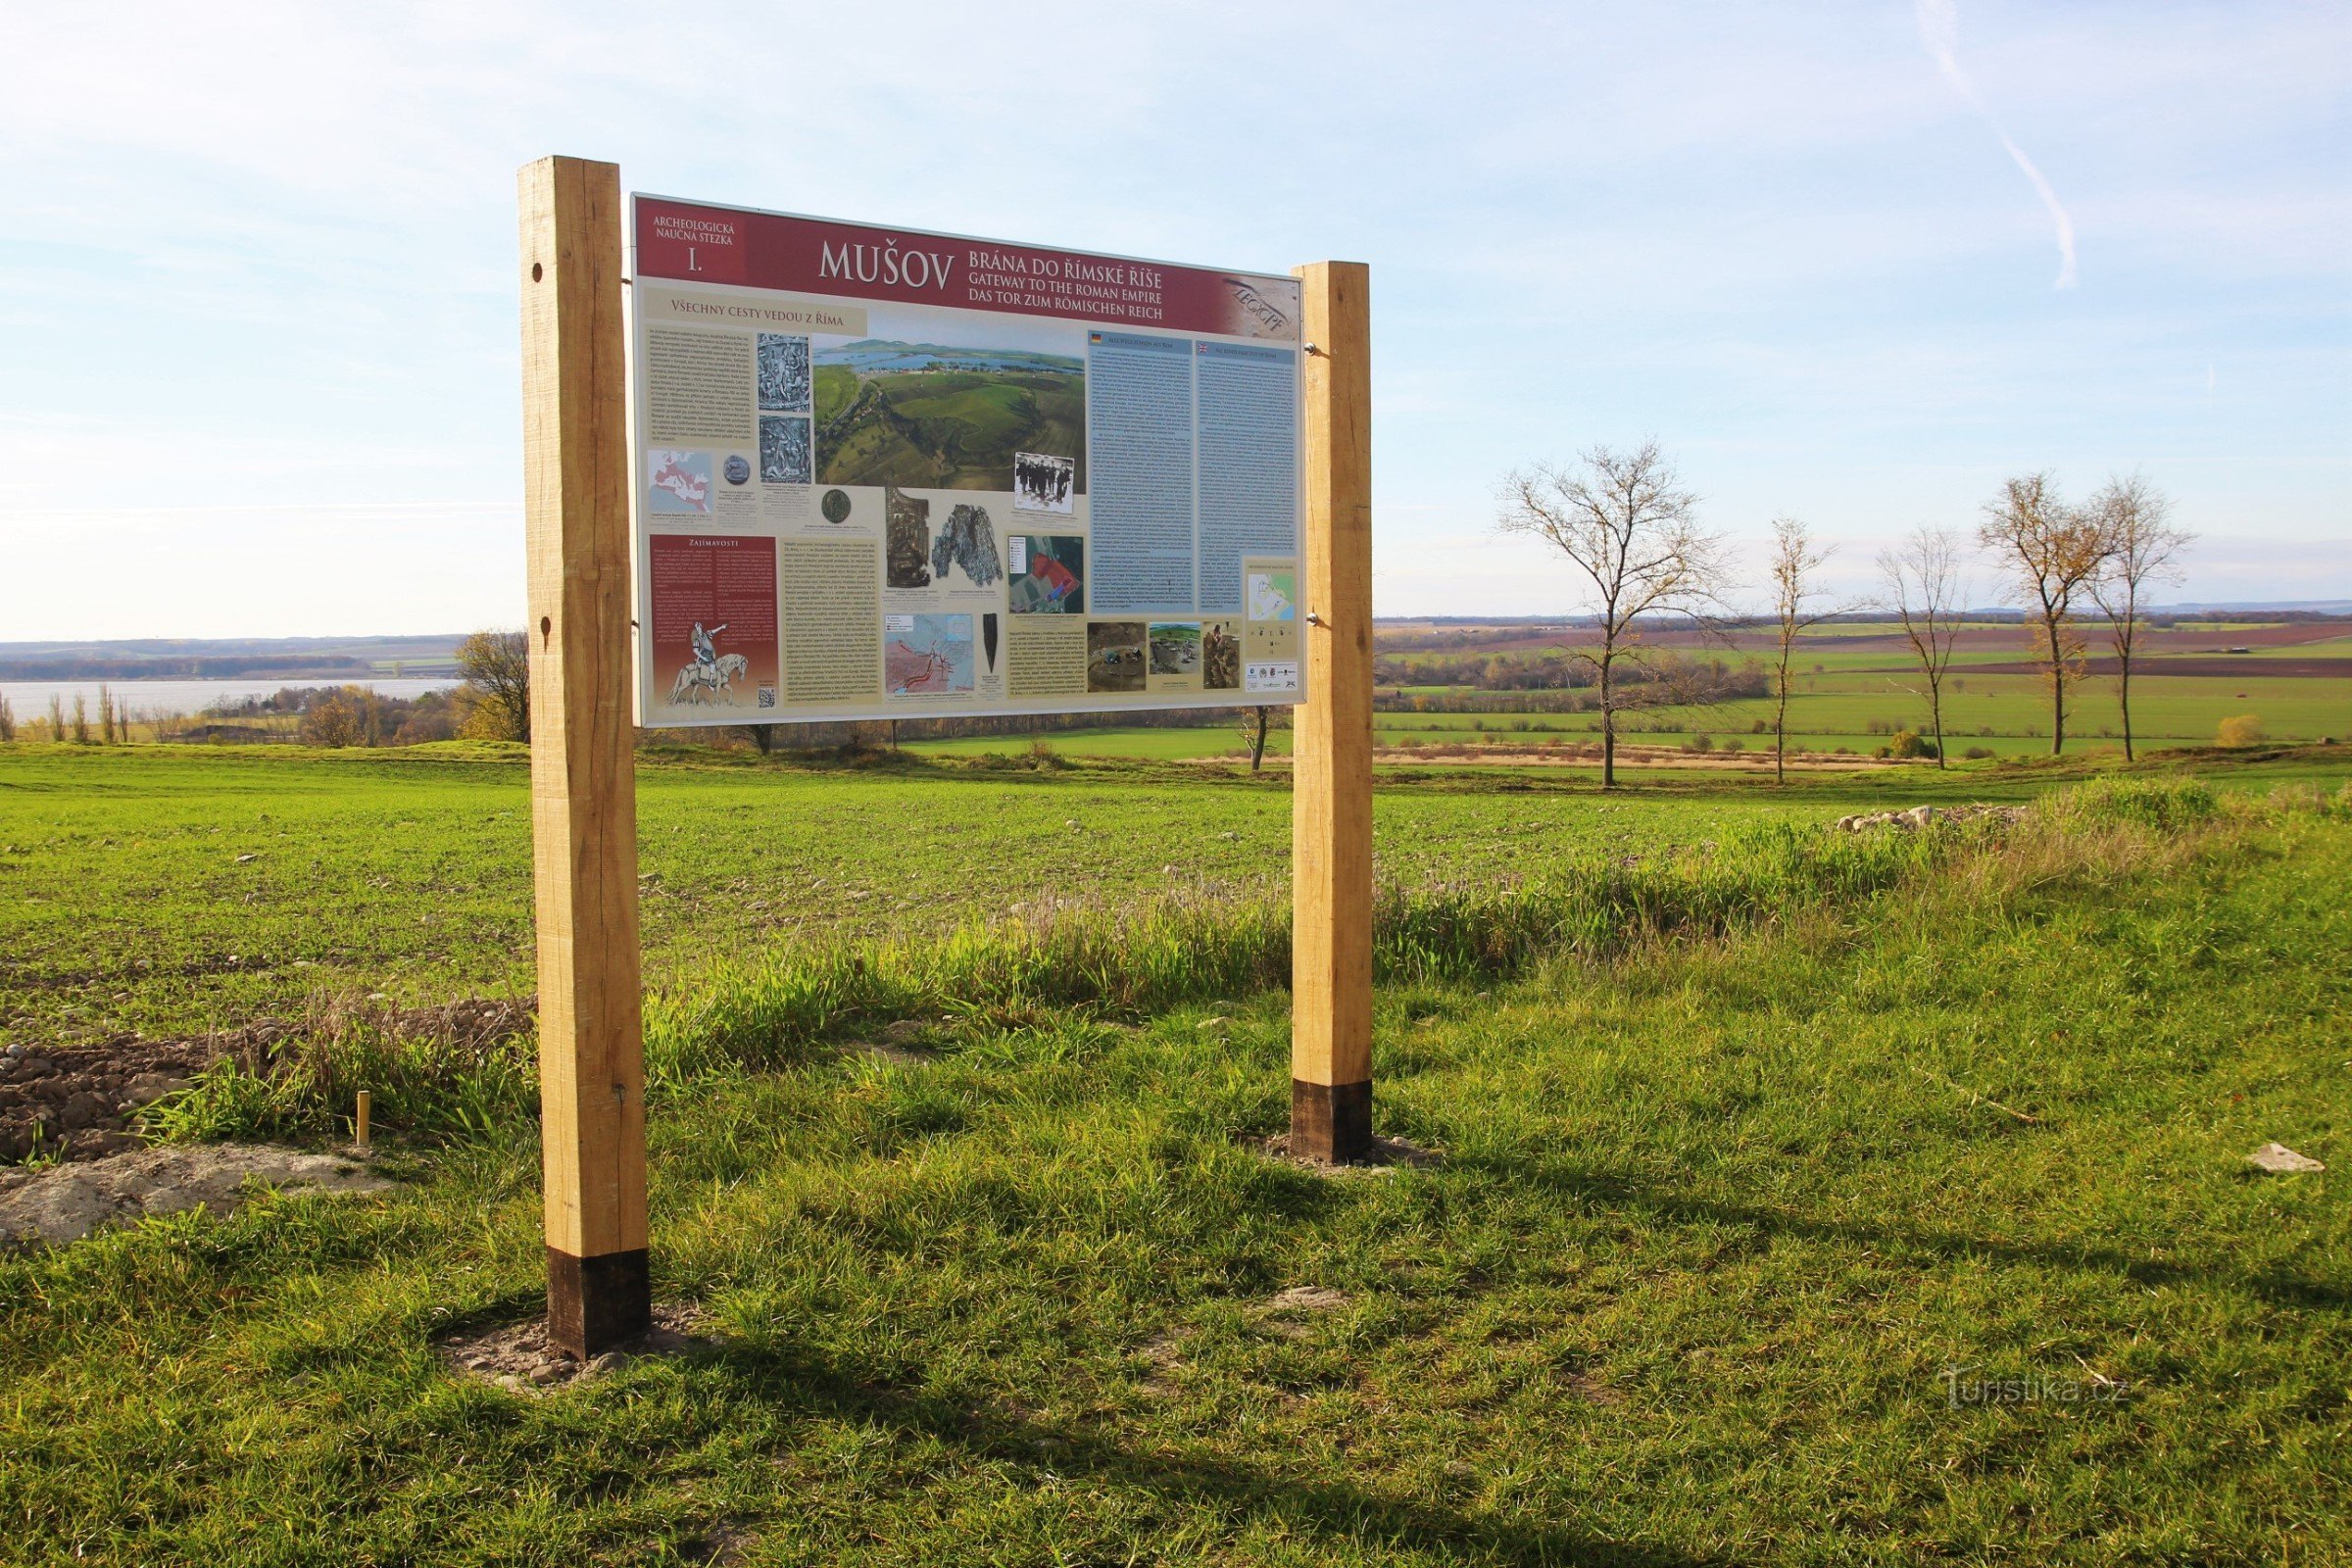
x: 927, y: 656
x: 678, y: 483
x: 1049, y: 574
x: 1273, y: 596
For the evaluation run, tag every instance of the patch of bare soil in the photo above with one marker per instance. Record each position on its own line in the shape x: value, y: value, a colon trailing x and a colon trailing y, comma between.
x: 1919, y: 816
x: 1163, y: 1352
x: 1288, y: 1312
x: 1592, y: 1391
x: 902, y: 1042
x: 1586, y: 755
x: 722, y: 1545
x: 1306, y: 1299
x: 80, y: 1103
x: 1582, y: 755
x: 1387, y: 1154
x: 2305, y: 667
x: 67, y: 1202
x: 518, y: 1357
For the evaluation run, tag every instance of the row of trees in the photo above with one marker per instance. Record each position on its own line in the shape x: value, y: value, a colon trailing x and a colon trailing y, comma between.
x: 1630, y: 530
x: 1553, y: 669
x: 111, y: 726
x: 494, y: 703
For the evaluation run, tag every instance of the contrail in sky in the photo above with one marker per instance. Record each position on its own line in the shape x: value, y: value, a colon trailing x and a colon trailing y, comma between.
x: 1939, y: 28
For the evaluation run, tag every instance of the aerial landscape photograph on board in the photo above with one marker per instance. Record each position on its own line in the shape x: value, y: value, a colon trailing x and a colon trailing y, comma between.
x: 927, y: 416
x: 1742, y: 960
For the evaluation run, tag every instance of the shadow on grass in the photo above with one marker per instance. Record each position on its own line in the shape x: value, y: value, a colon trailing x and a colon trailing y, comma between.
x: 797, y: 1383
x: 1630, y: 1195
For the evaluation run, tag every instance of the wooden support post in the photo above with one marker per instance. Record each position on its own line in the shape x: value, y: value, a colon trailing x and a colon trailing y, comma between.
x: 583, y: 784
x: 1331, y: 815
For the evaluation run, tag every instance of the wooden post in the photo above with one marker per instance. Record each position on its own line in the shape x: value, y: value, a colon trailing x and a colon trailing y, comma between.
x: 583, y: 787
x: 1331, y: 813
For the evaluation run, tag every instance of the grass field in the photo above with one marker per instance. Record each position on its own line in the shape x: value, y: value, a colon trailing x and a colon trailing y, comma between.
x: 1854, y: 707
x: 173, y: 891
x: 1855, y: 683
x: 1899, y: 1219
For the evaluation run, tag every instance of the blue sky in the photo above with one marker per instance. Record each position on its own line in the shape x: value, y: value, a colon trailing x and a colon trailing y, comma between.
x: 257, y: 369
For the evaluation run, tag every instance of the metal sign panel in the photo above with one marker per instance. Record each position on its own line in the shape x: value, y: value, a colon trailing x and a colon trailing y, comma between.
x: 887, y: 473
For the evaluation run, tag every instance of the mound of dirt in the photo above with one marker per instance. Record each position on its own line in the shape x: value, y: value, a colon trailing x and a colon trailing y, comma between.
x: 78, y: 1102
x: 1387, y: 1154
x: 67, y: 1202
x: 520, y: 1358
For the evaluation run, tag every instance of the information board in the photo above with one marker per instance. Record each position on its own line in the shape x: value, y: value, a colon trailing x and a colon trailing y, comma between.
x: 885, y: 473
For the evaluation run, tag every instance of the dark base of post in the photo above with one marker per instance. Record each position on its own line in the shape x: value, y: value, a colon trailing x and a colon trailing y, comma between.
x: 1331, y: 1122
x: 594, y: 1303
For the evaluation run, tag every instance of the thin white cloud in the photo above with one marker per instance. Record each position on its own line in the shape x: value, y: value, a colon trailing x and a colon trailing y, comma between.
x: 1939, y: 29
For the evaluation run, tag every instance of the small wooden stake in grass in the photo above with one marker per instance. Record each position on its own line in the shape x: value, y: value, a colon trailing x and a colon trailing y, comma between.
x: 1331, y: 813
x: 359, y: 1120
x: 583, y: 790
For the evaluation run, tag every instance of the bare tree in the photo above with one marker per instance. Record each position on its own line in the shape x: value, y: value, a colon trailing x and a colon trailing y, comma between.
x: 1926, y: 589
x: 1795, y: 606
x: 1623, y: 519
x: 497, y: 665
x: 762, y: 736
x: 2051, y: 551
x: 2143, y: 548
x: 1254, y: 725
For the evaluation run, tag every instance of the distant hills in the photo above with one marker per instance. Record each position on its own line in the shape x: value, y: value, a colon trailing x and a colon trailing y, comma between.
x: 291, y: 659
x: 2259, y: 607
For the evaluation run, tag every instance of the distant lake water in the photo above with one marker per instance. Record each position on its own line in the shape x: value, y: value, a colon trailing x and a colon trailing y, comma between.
x: 172, y: 699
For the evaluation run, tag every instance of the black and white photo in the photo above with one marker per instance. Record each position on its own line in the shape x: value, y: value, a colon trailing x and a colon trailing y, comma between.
x: 1042, y: 483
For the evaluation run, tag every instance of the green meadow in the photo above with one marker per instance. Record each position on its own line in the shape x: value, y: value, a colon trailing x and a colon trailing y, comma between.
x: 1793, y: 1196
x: 174, y: 890
x: 1854, y: 684
x: 1852, y: 688
x: 2010, y: 714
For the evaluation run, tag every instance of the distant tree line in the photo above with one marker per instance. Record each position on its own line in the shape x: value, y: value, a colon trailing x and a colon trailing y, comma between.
x: 492, y: 703
x: 328, y: 716
x: 1641, y: 559
x: 1679, y: 679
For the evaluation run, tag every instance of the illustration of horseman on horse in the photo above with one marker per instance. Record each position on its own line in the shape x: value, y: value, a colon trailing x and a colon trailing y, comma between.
x: 713, y: 673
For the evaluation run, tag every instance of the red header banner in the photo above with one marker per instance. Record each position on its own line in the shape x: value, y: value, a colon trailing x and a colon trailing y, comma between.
x: 688, y: 243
